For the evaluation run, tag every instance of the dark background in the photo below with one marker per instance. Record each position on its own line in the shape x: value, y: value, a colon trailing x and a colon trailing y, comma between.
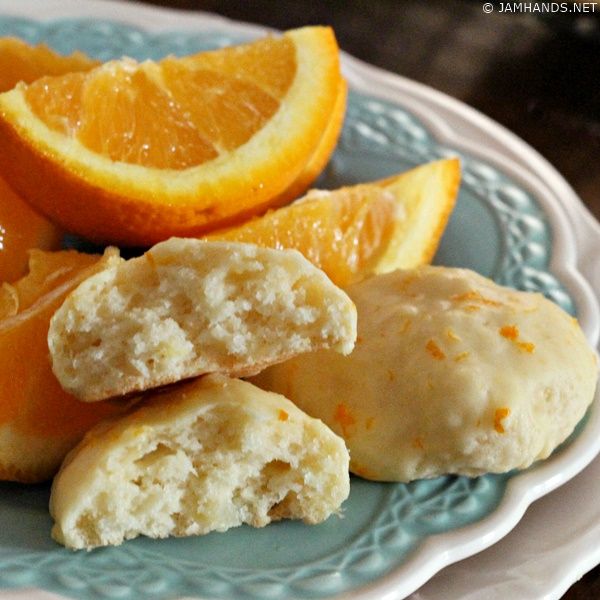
x: 537, y: 74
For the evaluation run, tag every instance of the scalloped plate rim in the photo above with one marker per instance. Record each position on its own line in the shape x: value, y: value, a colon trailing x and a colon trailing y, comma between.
x: 439, y: 550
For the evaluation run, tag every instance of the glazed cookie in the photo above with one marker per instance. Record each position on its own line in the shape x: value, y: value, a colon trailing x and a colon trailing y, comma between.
x: 451, y: 374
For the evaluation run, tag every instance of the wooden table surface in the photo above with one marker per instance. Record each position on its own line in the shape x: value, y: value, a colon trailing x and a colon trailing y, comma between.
x: 537, y: 74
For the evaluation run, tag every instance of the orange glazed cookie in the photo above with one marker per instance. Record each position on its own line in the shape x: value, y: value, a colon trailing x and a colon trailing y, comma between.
x: 451, y: 373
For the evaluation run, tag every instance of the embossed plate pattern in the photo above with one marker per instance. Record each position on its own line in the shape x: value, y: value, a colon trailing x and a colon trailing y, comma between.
x: 502, y: 227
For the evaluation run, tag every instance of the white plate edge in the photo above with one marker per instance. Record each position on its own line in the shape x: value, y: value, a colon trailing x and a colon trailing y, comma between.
x: 164, y: 19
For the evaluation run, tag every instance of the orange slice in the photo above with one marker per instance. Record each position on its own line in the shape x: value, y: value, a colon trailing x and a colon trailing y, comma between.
x: 320, y: 158
x: 358, y: 231
x: 20, y: 227
x: 39, y: 421
x: 134, y: 153
x: 21, y: 62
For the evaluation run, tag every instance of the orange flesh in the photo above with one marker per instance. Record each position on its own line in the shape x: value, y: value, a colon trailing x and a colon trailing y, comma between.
x: 177, y: 147
x: 342, y: 233
x: 171, y: 115
x: 21, y: 62
x: 319, y: 159
x: 47, y: 271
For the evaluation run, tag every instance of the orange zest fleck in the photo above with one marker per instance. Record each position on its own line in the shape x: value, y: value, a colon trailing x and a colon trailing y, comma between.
x: 451, y: 335
x: 526, y: 346
x: 369, y: 422
x: 435, y: 350
x: 475, y: 296
x: 511, y: 332
x: 461, y: 356
x: 499, y: 416
x: 418, y: 443
x: 344, y: 418
x: 282, y: 415
x: 405, y: 326
x: 391, y: 375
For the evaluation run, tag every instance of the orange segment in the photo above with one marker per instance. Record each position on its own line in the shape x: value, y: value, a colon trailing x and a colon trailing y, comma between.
x: 268, y: 63
x: 354, y: 232
x: 21, y: 62
x: 135, y: 153
x: 39, y: 421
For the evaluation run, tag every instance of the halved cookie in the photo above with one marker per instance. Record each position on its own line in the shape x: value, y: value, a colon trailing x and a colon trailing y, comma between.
x: 189, y: 307
x: 206, y: 455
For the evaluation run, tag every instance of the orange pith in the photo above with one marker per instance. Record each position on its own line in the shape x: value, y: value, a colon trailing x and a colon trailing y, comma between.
x: 354, y: 232
x: 134, y: 153
x: 33, y: 404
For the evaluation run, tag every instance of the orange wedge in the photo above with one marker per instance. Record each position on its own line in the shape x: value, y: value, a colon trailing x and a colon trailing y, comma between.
x: 21, y: 62
x: 20, y: 227
x: 39, y: 421
x: 358, y: 231
x: 47, y: 270
x: 134, y: 153
x: 320, y: 158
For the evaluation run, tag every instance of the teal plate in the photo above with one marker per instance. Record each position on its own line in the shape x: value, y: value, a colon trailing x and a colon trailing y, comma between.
x: 498, y: 229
